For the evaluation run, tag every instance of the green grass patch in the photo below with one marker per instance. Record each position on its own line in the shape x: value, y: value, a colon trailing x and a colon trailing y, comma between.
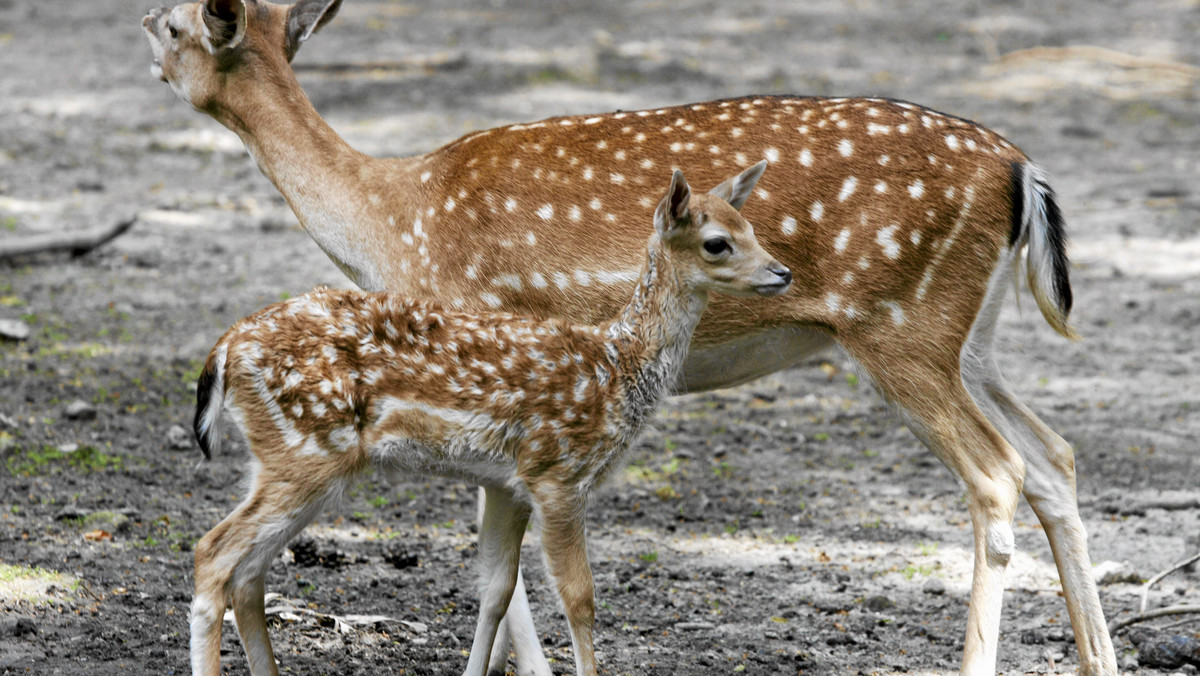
x: 53, y: 460
x: 24, y: 583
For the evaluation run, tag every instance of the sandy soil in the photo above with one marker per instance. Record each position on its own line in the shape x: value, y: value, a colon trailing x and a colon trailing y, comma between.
x: 791, y: 525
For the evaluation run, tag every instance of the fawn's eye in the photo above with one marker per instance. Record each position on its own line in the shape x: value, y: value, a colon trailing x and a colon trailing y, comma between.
x: 716, y: 246
x: 172, y: 30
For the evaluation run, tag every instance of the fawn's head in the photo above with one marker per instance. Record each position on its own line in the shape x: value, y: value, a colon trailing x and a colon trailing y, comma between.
x: 711, y: 246
x: 199, y: 46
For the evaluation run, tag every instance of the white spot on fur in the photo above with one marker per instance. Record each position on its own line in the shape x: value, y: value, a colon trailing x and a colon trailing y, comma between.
x: 843, y: 239
x: 916, y: 189
x: 789, y: 225
x: 546, y: 212
x: 510, y: 280
x: 772, y: 154
x: 537, y: 280
x: 588, y: 173
x: 425, y: 176
x: 575, y: 213
x: 491, y: 299
x: 510, y: 205
x: 848, y: 187
x: 595, y: 204
x: 951, y: 141
x: 894, y: 309
x: 915, y: 237
x: 582, y: 278
x: 806, y: 157
x: 833, y: 302
x: 845, y: 147
x: 891, y: 248
x: 561, y: 280
x: 881, y: 187
x: 816, y: 211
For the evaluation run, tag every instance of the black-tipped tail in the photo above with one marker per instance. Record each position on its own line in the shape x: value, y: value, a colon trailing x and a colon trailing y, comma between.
x: 210, y: 396
x: 1037, y: 222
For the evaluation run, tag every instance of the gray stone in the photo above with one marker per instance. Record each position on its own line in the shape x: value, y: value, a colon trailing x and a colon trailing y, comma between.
x: 934, y: 586
x: 80, y: 410
x: 14, y: 329
x: 1115, y: 572
x: 878, y: 603
x: 179, y: 439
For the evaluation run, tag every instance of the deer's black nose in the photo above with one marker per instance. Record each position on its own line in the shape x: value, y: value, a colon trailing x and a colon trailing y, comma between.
x: 785, y: 275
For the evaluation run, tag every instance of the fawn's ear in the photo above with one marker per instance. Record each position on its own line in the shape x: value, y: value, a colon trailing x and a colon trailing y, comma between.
x: 307, y: 17
x: 672, y: 210
x: 737, y: 189
x: 224, y: 24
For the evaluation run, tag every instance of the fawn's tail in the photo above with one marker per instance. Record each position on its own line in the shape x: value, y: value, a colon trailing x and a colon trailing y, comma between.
x: 210, y: 399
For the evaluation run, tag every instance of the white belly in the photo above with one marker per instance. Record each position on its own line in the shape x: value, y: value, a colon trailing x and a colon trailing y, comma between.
x: 748, y: 357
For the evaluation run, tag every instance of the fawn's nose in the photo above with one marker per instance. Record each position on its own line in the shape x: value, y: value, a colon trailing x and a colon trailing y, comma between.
x: 784, y: 275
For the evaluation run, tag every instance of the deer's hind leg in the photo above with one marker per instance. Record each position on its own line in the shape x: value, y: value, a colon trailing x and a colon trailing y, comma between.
x: 232, y: 562
x: 924, y: 383
x: 1049, y: 484
x: 1050, y: 489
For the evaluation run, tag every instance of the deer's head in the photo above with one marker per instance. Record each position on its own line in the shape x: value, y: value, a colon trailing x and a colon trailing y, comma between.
x: 200, y: 47
x: 711, y: 246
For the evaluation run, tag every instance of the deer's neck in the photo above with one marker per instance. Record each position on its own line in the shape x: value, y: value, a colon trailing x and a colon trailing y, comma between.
x: 653, y: 332
x: 343, y: 198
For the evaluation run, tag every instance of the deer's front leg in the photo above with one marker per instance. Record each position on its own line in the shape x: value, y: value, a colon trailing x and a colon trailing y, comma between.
x: 565, y: 547
x: 501, y: 529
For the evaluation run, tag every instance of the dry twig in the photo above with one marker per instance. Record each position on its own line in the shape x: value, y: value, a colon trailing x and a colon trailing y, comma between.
x: 1154, y: 580
x: 78, y: 243
x: 1116, y: 626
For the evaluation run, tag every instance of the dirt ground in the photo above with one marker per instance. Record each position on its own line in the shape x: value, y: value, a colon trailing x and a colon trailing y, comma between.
x: 791, y: 525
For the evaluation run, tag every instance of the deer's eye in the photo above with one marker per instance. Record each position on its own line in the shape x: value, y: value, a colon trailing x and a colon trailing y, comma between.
x: 716, y: 246
x: 173, y: 31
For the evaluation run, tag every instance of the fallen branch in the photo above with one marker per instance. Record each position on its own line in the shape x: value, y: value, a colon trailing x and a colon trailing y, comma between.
x: 276, y: 604
x: 1116, y: 626
x: 77, y: 243
x: 434, y: 62
x: 1154, y: 580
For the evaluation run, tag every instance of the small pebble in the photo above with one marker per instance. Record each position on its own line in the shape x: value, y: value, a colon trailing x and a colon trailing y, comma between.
x: 934, y: 586
x: 14, y: 329
x: 179, y: 439
x: 80, y: 410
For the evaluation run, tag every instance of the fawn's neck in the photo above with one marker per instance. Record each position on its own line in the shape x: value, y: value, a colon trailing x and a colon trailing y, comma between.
x: 653, y: 332
x: 343, y: 198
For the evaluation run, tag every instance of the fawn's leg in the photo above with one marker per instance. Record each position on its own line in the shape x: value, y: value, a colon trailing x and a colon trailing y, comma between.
x: 1050, y: 489
x: 940, y: 411
x: 501, y: 529
x: 562, y: 511
x: 232, y: 562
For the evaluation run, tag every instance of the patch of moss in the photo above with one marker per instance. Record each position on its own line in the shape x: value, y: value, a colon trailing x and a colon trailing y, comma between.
x: 53, y: 460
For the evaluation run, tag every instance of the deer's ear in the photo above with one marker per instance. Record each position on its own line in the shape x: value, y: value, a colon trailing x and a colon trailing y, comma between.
x: 672, y: 211
x: 737, y: 189
x: 224, y: 24
x: 307, y: 17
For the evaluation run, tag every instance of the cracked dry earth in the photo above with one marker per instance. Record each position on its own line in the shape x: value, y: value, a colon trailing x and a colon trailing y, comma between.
x: 791, y: 525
